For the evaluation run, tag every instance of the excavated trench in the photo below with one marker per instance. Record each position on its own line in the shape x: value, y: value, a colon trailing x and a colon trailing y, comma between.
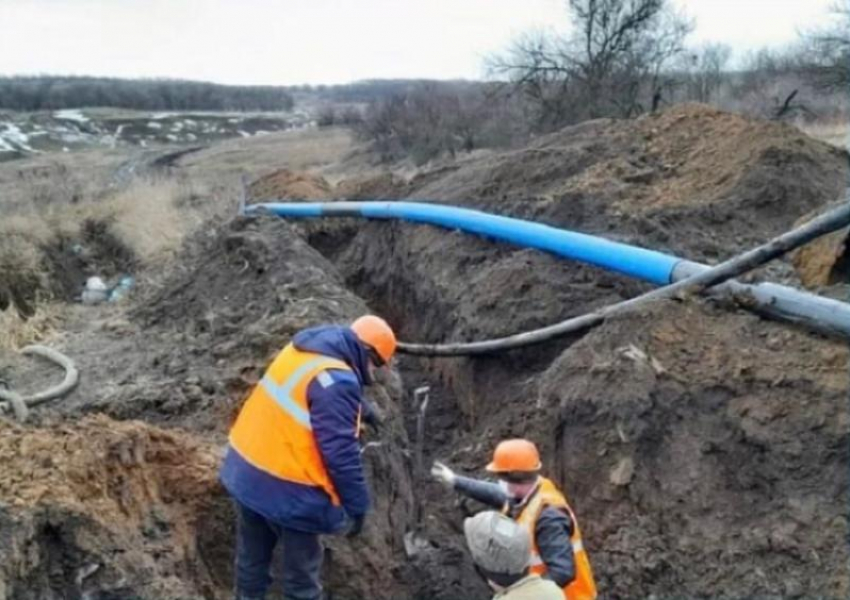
x: 701, y: 446
x: 704, y: 450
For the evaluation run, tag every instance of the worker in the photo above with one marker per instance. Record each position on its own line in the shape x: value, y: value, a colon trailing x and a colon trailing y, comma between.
x: 536, y: 503
x: 293, y: 462
x: 501, y: 549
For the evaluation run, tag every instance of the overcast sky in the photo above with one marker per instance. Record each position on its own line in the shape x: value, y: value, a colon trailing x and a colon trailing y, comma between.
x: 325, y: 41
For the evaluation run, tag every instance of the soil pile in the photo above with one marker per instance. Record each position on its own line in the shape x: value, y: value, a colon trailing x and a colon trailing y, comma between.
x: 284, y: 183
x: 188, y: 356
x: 691, y: 180
x: 244, y: 291
x: 707, y: 453
x: 110, y: 509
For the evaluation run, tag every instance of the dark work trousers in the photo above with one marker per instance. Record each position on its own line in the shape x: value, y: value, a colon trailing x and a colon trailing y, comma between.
x: 256, y: 538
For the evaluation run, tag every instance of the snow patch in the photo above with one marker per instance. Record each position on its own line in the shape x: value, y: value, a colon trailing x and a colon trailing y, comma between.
x: 71, y: 115
x: 14, y: 135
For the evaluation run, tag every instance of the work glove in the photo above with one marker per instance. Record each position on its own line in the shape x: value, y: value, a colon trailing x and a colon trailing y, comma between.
x: 443, y: 474
x: 371, y: 416
x: 356, y: 526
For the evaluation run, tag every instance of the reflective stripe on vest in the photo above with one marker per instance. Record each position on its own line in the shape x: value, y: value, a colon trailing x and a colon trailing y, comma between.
x: 583, y: 587
x: 282, y: 393
x: 273, y: 431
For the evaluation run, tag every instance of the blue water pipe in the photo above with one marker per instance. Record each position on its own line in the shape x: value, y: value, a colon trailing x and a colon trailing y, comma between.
x: 649, y: 265
x: 782, y: 302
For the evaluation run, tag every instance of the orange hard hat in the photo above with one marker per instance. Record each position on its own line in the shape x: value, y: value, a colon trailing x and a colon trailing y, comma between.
x: 375, y: 333
x: 517, y: 456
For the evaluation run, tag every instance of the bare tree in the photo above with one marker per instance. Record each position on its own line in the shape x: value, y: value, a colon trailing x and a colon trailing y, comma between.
x: 543, y: 70
x: 705, y: 69
x: 829, y: 49
x: 617, y: 54
x: 433, y: 119
x: 646, y: 72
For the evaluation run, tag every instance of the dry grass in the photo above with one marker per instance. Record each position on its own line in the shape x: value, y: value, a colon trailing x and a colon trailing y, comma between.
x: 17, y: 332
x: 56, y: 178
x: 146, y: 217
x: 302, y: 150
x: 142, y: 225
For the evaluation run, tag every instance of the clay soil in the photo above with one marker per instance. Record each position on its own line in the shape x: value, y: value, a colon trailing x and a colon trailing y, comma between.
x: 705, y: 450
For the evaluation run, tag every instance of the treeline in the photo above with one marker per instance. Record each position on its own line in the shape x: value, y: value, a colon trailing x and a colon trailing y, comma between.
x: 430, y: 119
x: 622, y: 58
x: 51, y: 93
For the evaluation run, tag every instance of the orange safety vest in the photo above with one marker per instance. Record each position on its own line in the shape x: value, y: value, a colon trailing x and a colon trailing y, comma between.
x: 273, y: 430
x: 583, y: 587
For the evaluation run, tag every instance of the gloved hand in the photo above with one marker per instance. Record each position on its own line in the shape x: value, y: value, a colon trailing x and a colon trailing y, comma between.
x: 356, y: 526
x: 443, y: 474
x: 375, y: 421
x: 371, y: 416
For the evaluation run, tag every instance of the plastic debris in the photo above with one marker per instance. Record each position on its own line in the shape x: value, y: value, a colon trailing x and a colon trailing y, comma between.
x: 95, y: 291
x: 122, y: 289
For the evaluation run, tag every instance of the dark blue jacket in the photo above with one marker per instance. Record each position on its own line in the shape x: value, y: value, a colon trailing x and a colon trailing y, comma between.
x: 334, y: 402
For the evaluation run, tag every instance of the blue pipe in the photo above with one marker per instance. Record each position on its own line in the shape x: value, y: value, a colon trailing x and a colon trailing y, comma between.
x: 649, y: 265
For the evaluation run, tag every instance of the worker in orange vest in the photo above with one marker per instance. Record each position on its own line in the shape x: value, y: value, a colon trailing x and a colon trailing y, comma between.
x: 293, y: 463
x: 557, y: 549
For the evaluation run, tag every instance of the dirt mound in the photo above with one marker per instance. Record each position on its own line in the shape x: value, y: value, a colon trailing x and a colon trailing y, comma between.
x: 247, y: 284
x: 376, y: 187
x: 286, y: 184
x: 198, y: 337
x: 692, y: 180
x: 195, y: 345
x: 707, y: 453
x: 110, y: 509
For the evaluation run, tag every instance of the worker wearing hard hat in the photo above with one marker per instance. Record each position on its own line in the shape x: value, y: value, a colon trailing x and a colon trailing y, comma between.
x: 501, y: 549
x: 535, y: 503
x: 293, y: 464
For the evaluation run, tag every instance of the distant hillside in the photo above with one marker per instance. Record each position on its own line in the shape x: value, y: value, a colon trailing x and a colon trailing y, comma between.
x: 51, y: 93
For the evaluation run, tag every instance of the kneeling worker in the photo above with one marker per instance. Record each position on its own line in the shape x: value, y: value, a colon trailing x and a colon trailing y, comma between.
x: 293, y: 465
x: 501, y: 549
x: 535, y: 503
